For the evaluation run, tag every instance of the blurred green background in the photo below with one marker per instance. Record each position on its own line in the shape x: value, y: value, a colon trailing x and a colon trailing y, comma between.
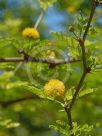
x: 32, y: 117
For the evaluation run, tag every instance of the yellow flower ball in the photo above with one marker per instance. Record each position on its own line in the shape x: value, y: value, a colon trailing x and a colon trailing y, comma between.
x: 30, y: 32
x: 71, y: 9
x: 54, y: 88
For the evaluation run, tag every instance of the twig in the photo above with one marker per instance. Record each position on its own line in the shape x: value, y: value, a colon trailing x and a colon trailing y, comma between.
x: 39, y: 19
x: 86, y: 69
x: 52, y: 62
x: 5, y: 104
x: 90, y: 19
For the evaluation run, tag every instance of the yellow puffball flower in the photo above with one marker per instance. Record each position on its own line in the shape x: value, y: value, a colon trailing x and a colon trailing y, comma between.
x: 71, y: 9
x: 30, y: 32
x: 54, y: 88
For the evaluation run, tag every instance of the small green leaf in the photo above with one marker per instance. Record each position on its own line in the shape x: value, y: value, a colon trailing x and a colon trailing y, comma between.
x: 70, y: 93
x: 87, y: 91
x: 45, y: 4
x: 35, y: 90
x: 16, y: 84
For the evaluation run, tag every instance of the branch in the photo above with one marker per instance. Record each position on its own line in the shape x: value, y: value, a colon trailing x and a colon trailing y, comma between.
x: 52, y: 62
x: 5, y: 104
x: 90, y: 19
x: 82, y: 45
x: 86, y: 69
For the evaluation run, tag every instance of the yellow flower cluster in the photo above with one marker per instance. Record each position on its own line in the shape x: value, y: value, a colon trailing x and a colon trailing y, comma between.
x: 54, y: 88
x: 30, y: 33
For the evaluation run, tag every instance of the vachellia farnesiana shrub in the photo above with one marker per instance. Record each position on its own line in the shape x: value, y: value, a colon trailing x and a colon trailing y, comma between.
x: 79, y: 50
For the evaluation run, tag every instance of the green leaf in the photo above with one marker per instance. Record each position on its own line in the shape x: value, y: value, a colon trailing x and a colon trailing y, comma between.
x: 8, y: 123
x: 87, y: 91
x: 45, y: 4
x: 35, y: 90
x: 6, y: 76
x: 7, y: 66
x: 70, y: 93
x: 59, y: 129
x: 16, y: 84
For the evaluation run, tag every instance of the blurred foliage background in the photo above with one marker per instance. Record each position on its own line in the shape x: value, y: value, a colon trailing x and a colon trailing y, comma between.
x: 32, y: 117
